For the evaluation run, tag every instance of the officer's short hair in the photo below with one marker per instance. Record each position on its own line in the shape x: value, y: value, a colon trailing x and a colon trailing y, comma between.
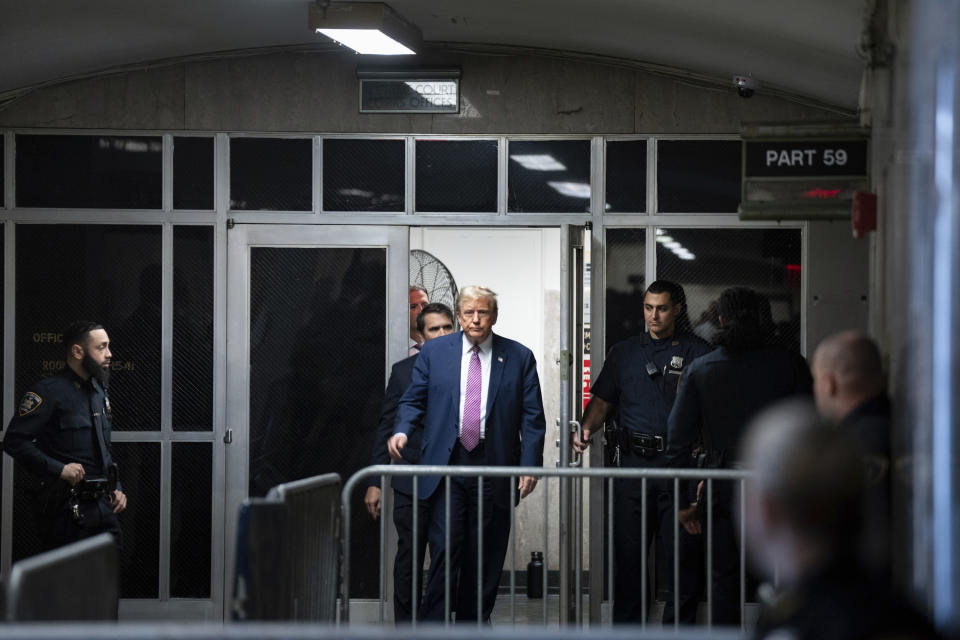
x: 78, y: 332
x: 677, y: 296
x: 668, y: 286
x: 433, y: 307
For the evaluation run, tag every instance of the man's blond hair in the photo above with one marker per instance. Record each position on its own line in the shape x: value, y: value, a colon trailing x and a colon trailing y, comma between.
x: 474, y: 292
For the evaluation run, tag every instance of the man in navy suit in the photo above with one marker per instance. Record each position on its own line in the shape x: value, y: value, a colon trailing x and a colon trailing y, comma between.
x: 477, y: 397
x: 434, y: 320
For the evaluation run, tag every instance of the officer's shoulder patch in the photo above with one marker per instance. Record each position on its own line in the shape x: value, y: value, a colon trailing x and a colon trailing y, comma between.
x: 29, y: 403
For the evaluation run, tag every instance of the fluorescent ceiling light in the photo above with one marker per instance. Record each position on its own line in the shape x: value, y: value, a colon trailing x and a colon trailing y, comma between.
x: 538, y: 162
x: 571, y: 189
x: 366, y: 27
x: 368, y: 41
x: 686, y: 256
x: 663, y: 239
x: 672, y: 244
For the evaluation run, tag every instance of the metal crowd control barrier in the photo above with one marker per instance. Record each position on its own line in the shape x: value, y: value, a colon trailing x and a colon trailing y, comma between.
x: 605, y: 474
x: 78, y: 581
x: 258, y: 631
x: 288, y: 552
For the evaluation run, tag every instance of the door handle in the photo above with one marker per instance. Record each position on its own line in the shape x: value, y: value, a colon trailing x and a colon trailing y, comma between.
x: 577, y: 428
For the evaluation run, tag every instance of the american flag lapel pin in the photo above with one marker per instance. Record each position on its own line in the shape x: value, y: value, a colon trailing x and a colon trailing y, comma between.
x: 499, y: 358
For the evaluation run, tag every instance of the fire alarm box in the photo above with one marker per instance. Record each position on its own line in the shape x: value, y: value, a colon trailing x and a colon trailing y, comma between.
x: 863, y: 213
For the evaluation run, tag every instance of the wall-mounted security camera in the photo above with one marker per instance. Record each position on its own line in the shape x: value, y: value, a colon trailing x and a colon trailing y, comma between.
x: 745, y: 84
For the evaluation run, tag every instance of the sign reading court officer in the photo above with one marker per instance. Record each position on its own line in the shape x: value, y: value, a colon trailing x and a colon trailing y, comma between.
x: 61, y: 433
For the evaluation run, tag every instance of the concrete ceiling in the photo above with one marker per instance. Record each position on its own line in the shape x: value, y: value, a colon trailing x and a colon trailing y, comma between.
x: 805, y: 47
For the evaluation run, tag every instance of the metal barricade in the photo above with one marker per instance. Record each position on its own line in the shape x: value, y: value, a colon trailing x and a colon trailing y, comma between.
x: 607, y: 475
x: 305, y: 631
x: 288, y: 552
x: 78, y: 581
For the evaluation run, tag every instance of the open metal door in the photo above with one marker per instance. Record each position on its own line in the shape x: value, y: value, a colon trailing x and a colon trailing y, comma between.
x: 572, y: 271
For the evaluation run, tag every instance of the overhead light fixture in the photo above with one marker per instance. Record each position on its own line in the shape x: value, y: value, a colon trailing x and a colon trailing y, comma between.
x: 571, y: 189
x: 538, y: 162
x: 366, y: 27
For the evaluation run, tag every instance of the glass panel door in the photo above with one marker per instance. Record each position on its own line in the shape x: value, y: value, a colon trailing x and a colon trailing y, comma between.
x: 310, y: 333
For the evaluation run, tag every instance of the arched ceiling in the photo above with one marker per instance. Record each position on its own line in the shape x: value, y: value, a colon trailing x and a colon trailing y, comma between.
x: 806, y: 47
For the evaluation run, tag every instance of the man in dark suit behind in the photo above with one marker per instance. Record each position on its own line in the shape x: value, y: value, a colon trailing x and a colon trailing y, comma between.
x: 849, y: 389
x: 433, y: 321
x: 477, y: 397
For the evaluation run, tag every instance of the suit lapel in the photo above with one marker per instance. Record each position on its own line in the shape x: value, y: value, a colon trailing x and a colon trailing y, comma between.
x: 497, y: 361
x: 456, y: 357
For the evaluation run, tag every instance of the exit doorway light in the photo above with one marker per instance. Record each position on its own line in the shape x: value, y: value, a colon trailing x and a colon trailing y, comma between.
x: 366, y: 27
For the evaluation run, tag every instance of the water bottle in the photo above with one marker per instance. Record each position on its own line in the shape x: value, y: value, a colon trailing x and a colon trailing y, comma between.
x: 535, y: 575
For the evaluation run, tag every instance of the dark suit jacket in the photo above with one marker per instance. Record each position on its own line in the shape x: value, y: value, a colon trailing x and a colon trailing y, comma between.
x: 515, y: 424
x: 400, y: 376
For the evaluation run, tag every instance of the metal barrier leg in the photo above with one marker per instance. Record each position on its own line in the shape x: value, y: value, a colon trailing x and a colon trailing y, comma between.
x: 743, y: 564
x: 643, y: 556
x: 446, y: 554
x: 414, y: 564
x: 676, y: 553
x: 513, y: 551
x: 479, y: 551
x: 546, y: 546
x: 709, y: 553
x: 383, y: 548
x: 610, y: 593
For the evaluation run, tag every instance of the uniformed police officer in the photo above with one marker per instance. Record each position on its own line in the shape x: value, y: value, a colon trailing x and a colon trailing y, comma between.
x: 61, y: 434
x: 639, y: 381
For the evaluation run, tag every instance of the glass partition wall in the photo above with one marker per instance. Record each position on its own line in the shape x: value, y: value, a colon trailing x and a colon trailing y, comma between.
x: 133, y: 228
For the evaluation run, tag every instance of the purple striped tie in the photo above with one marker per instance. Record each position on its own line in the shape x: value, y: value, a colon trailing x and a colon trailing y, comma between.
x: 470, y: 433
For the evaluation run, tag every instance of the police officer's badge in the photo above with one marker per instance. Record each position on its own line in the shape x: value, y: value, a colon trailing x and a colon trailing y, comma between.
x: 676, y: 362
x: 29, y: 403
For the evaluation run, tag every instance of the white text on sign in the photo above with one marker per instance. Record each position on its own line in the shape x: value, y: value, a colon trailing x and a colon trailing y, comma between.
x: 805, y: 157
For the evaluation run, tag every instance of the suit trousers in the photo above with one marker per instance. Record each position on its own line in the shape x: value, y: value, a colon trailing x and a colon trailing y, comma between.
x: 465, y: 543
x: 403, y: 566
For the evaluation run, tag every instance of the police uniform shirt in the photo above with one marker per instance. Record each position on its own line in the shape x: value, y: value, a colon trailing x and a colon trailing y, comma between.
x: 54, y: 425
x: 644, y: 399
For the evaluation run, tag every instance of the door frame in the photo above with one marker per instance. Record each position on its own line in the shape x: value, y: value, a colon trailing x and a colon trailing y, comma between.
x: 240, y: 239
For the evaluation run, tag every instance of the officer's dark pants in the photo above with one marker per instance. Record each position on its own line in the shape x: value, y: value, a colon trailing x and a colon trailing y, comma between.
x: 628, y: 548
x: 62, y: 527
x: 495, y: 519
x: 402, y: 570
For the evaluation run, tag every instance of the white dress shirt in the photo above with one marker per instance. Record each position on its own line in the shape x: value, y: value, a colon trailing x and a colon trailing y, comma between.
x: 486, y: 357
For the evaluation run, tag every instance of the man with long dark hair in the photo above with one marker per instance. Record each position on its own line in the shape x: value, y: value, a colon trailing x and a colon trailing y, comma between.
x: 718, y: 395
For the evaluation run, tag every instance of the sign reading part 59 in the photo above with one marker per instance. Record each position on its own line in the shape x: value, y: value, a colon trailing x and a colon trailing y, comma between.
x: 796, y: 158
